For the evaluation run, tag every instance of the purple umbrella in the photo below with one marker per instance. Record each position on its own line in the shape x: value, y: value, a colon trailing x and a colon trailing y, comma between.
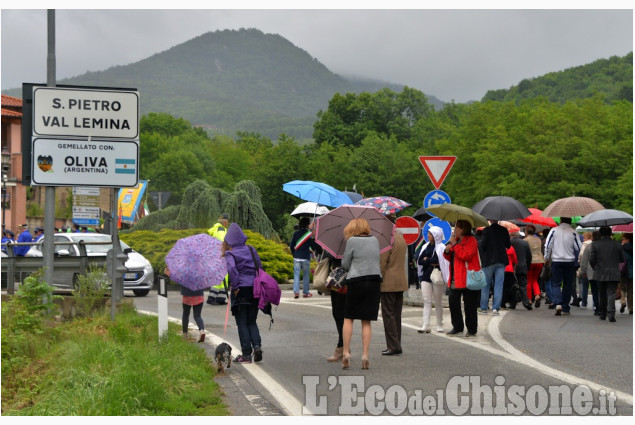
x: 196, y: 263
x: 329, y: 230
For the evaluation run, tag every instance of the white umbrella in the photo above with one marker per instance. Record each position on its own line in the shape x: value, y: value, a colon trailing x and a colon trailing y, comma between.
x: 309, y: 209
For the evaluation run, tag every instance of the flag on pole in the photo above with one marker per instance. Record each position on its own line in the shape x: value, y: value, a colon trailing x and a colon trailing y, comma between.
x: 146, y: 210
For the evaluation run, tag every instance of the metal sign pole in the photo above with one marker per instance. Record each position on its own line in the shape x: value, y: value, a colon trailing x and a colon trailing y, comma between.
x: 49, y: 194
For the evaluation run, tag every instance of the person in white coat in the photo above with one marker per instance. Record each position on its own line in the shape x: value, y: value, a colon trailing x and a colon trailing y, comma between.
x: 431, y: 260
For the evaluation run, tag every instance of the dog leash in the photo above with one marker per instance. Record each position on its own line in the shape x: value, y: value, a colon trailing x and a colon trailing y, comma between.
x: 226, y: 318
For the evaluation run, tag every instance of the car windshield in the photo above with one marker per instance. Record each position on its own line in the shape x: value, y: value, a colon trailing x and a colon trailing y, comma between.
x: 93, y: 249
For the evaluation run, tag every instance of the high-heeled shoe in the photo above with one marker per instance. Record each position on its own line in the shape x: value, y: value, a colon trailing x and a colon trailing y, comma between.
x: 365, y: 362
x: 346, y: 361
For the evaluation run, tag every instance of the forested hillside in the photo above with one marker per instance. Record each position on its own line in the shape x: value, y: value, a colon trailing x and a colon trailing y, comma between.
x: 610, y: 78
x: 535, y: 151
x: 228, y: 81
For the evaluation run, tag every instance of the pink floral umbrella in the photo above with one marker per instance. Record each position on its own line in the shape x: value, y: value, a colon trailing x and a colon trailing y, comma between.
x: 385, y: 204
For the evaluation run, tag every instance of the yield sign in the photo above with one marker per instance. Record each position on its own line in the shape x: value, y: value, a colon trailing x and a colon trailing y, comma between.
x: 437, y: 167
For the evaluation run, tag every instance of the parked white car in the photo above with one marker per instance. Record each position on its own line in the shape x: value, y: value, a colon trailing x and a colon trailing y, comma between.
x: 139, y: 277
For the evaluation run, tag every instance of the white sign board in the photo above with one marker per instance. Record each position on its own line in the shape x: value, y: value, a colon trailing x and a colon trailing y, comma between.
x: 90, y: 113
x: 86, y: 209
x: 82, y: 163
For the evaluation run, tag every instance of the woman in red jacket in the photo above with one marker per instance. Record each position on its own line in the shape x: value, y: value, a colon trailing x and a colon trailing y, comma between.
x: 462, y: 248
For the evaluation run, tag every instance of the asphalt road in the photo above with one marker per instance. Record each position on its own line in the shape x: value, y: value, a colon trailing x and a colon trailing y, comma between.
x: 520, y: 363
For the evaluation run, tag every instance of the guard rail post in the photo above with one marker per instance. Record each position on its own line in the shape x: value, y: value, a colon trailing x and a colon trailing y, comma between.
x: 10, y: 270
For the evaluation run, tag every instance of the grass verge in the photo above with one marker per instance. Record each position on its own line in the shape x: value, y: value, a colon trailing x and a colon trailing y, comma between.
x: 94, y: 366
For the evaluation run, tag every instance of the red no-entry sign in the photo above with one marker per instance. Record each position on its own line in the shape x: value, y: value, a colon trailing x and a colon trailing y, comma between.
x: 409, y: 227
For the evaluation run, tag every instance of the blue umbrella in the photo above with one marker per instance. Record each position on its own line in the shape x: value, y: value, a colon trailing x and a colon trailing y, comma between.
x: 317, y: 192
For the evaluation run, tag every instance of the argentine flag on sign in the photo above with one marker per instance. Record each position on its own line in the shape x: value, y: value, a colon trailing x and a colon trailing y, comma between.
x: 125, y: 166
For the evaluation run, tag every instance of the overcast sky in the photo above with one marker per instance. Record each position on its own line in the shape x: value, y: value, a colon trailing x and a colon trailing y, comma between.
x: 454, y: 54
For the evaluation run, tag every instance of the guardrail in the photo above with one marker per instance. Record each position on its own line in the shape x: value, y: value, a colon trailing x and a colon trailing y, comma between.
x: 13, y: 265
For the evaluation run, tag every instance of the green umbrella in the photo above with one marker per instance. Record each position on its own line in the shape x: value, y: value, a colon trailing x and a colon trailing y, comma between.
x: 451, y: 213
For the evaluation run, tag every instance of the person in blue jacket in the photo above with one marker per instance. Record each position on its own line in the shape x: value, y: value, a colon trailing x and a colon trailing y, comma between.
x: 242, y: 264
x: 24, y: 236
x: 7, y: 236
x: 39, y: 234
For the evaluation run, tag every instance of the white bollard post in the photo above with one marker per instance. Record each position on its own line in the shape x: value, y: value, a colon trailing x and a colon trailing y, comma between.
x: 163, y: 308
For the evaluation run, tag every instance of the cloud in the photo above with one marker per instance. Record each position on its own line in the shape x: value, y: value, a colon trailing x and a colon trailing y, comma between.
x: 452, y: 54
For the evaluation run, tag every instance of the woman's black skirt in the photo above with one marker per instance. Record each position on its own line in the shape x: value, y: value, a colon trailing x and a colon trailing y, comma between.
x: 362, y: 298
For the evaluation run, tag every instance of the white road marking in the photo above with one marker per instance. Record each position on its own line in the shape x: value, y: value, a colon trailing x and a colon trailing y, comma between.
x: 289, y: 404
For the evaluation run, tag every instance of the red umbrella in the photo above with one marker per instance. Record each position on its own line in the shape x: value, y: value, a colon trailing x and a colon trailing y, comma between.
x: 511, y: 227
x: 537, y: 218
x: 623, y: 228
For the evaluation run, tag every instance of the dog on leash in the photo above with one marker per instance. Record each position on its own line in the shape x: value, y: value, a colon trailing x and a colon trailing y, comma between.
x: 223, y: 355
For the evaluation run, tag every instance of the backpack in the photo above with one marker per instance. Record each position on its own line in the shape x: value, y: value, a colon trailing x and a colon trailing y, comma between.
x: 266, y: 289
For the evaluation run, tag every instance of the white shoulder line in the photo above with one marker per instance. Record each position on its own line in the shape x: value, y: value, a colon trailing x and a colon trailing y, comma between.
x: 520, y: 357
x: 290, y: 405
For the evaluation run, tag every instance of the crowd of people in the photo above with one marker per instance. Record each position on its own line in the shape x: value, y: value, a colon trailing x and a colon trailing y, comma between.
x: 555, y: 268
x: 24, y: 235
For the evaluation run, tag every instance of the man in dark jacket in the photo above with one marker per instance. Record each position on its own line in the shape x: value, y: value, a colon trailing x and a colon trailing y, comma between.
x: 493, y: 251
x: 523, y: 253
x: 606, y: 256
x: 301, y: 244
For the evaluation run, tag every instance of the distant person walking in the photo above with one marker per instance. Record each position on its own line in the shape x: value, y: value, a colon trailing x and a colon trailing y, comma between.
x: 301, y: 244
x: 561, y: 248
x: 606, y: 256
x: 462, y: 253
x: 431, y: 258
x: 627, y: 273
x: 537, y: 262
x: 493, y: 247
x: 394, y: 283
x: 241, y: 269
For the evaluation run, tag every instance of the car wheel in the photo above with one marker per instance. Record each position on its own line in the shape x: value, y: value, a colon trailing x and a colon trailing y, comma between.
x: 141, y: 292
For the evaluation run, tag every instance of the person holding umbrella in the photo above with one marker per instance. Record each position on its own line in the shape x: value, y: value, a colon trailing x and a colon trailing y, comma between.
x: 606, y: 256
x: 627, y: 274
x: 240, y: 260
x: 462, y: 253
x: 361, y: 261
x: 301, y: 244
x: 493, y: 245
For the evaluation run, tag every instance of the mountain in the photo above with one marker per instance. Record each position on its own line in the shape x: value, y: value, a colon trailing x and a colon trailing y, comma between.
x: 231, y: 80
x: 611, y: 78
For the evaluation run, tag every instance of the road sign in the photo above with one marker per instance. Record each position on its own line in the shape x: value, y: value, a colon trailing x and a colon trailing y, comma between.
x: 409, y: 228
x: 86, y: 209
x: 437, y: 167
x: 436, y: 197
x: 81, y: 163
x: 93, y: 113
x: 436, y: 221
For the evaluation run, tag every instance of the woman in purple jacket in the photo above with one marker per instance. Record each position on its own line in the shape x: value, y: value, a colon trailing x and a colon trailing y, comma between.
x: 242, y: 271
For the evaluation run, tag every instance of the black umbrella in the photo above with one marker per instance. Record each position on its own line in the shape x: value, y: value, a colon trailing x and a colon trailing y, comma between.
x: 421, y: 215
x: 605, y: 218
x: 501, y: 208
x: 355, y: 197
